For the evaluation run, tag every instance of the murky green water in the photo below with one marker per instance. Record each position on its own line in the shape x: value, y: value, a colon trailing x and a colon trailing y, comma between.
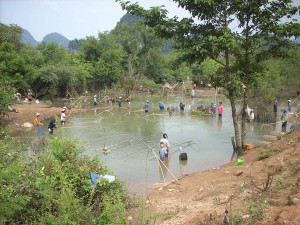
x: 130, y: 134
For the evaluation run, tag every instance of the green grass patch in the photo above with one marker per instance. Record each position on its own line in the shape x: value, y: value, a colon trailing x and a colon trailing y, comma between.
x: 264, y: 154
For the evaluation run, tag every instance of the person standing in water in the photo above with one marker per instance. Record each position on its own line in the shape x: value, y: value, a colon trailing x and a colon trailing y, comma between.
x: 38, y: 124
x: 146, y: 106
x: 220, y: 109
x: 162, y: 151
x: 63, y: 117
x: 120, y: 102
x: 166, y: 142
x: 95, y: 100
x: 52, y: 125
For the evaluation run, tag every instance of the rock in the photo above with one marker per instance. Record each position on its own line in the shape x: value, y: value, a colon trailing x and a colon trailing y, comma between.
x: 129, y: 218
x: 27, y: 125
x: 246, y: 216
x: 238, y: 173
x: 171, y: 189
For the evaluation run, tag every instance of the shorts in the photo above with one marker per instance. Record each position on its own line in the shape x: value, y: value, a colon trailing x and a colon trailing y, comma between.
x: 62, y: 122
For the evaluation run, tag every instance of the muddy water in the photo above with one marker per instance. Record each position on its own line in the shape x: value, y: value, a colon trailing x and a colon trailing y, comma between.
x: 132, y: 136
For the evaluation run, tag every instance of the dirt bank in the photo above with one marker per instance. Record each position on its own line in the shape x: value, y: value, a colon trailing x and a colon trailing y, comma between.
x: 27, y: 113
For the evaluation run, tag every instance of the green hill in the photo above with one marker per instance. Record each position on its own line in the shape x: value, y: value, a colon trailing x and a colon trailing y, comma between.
x: 57, y: 38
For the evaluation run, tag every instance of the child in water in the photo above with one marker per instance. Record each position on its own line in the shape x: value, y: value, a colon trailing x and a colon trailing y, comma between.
x: 162, y: 151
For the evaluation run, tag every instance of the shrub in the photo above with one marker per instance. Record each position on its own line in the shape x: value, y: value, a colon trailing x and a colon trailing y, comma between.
x: 264, y: 154
x: 55, y: 188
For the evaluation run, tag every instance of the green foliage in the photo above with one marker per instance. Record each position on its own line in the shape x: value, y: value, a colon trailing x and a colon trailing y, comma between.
x: 237, y: 219
x: 196, y: 112
x: 264, y: 154
x: 13, y: 181
x: 55, y: 188
x: 256, y: 208
x: 11, y: 34
x: 150, y: 84
x: 6, y: 96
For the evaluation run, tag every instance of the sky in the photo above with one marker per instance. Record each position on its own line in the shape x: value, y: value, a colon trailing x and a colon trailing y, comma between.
x: 71, y: 18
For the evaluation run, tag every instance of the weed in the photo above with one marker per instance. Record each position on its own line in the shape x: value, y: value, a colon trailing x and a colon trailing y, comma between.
x: 294, y: 167
x: 256, y: 208
x: 265, y: 154
x: 237, y: 219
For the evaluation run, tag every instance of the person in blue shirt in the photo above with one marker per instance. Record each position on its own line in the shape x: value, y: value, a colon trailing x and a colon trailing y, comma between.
x: 52, y: 125
x: 146, y: 106
x: 162, y: 151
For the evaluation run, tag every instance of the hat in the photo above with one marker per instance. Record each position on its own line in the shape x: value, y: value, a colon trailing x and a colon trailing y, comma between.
x: 147, y: 101
x: 289, y: 101
x: 120, y: 97
x: 95, y: 96
x: 63, y: 110
x: 37, y: 114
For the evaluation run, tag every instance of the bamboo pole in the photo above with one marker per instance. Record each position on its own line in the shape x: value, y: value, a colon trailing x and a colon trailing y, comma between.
x: 163, y: 164
x: 160, y: 167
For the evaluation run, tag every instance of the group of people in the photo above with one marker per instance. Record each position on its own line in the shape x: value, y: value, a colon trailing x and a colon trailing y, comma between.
x: 52, y: 124
x: 284, y: 116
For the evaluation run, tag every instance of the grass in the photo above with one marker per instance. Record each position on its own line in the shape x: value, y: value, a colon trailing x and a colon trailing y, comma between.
x: 265, y: 154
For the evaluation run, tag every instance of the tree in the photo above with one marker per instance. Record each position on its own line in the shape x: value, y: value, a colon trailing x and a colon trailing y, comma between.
x: 208, y: 33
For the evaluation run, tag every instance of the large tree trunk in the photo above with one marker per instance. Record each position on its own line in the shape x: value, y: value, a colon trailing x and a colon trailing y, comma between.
x: 236, y: 127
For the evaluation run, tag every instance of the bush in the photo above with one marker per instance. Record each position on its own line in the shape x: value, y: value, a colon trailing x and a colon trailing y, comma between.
x: 55, y: 188
x: 264, y: 154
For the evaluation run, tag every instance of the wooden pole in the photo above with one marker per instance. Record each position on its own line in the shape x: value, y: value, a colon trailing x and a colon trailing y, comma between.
x: 164, y: 165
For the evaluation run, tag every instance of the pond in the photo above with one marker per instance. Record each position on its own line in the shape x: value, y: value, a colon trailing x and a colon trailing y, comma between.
x: 132, y: 136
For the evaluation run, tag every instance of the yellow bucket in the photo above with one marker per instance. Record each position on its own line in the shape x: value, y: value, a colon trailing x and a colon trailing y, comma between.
x: 249, y: 146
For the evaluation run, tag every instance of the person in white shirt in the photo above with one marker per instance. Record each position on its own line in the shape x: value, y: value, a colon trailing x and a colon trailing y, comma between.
x: 63, y: 117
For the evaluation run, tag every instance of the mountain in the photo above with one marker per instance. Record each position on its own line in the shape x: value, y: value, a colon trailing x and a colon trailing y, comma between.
x: 57, y: 38
x: 130, y: 20
x: 28, y: 39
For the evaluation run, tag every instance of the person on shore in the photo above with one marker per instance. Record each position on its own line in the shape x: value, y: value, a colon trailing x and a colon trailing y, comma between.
x: 146, y: 106
x: 289, y: 106
x: 220, y: 109
x: 63, y: 117
x: 284, y: 119
x: 29, y: 96
x: 166, y: 142
x: 95, y: 100
x: 11, y: 109
x: 162, y: 151
x: 275, y: 110
x: 38, y: 124
x: 52, y: 125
